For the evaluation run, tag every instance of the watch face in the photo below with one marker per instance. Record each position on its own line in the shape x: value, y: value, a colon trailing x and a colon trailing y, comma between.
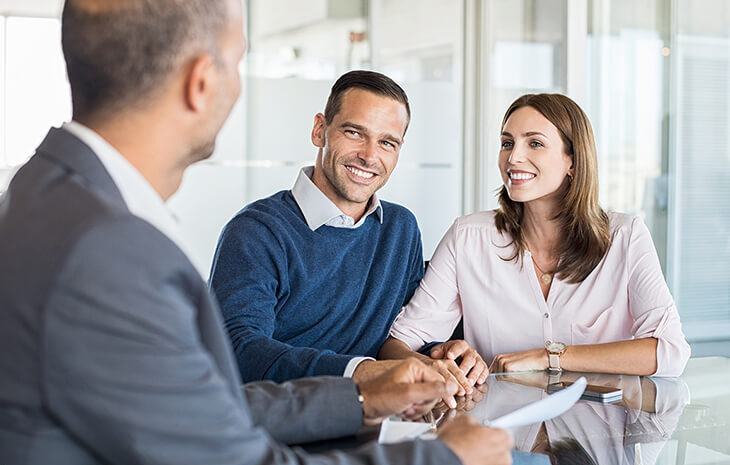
x: 555, y: 347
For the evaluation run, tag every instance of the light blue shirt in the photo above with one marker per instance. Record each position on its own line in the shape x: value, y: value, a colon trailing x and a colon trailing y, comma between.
x: 318, y: 210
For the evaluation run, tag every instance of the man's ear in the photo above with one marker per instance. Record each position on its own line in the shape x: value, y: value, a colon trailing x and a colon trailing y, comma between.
x: 318, y: 130
x: 199, y: 83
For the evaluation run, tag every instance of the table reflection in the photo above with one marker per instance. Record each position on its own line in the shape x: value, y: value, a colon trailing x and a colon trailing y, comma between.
x: 632, y: 431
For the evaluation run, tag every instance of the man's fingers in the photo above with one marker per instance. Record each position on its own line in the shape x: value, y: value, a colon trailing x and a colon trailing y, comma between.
x: 421, y: 397
x: 425, y: 373
x: 424, y: 392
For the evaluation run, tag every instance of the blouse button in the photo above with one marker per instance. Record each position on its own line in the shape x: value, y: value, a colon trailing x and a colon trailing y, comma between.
x: 546, y: 315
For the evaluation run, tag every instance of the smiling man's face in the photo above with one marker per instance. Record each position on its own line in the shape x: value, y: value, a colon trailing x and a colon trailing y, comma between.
x: 358, y: 149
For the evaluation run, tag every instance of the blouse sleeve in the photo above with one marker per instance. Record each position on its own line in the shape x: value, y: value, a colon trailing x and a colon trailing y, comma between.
x: 435, y: 308
x: 651, y: 305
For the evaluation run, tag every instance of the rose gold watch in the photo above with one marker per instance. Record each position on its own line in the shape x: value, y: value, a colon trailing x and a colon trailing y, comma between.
x: 555, y: 350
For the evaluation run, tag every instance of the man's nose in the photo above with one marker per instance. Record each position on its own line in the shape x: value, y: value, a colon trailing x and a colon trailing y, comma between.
x: 369, y: 150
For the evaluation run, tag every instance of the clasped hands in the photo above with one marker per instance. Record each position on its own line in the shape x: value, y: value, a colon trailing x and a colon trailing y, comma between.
x: 458, y: 362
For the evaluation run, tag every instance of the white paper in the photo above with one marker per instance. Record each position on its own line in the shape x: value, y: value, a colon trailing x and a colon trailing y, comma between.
x: 544, y: 409
x: 398, y: 431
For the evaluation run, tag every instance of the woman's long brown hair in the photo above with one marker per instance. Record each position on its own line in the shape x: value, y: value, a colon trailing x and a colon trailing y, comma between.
x: 582, y: 222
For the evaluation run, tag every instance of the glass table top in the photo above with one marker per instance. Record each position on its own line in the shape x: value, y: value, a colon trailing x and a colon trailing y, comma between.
x: 682, y: 420
x: 659, y: 421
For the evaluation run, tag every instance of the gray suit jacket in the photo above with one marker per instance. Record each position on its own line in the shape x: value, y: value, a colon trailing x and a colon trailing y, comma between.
x: 112, y: 351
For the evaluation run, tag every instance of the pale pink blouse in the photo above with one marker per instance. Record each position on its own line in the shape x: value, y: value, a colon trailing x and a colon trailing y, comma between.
x: 504, y: 310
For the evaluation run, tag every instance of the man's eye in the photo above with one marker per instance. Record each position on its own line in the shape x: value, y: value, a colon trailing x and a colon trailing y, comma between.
x: 388, y: 144
x: 351, y: 132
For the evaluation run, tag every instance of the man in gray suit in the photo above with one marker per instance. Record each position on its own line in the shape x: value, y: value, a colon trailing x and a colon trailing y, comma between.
x: 111, y: 349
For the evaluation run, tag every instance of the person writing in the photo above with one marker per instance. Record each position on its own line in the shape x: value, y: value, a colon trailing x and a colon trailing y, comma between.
x: 549, y: 280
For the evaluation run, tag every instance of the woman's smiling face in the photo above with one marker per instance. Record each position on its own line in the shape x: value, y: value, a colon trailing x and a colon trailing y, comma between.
x: 532, y: 158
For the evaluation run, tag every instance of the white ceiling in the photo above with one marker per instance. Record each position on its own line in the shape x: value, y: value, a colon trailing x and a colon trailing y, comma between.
x: 37, y: 8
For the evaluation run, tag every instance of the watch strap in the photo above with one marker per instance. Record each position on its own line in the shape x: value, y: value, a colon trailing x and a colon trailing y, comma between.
x: 554, y: 360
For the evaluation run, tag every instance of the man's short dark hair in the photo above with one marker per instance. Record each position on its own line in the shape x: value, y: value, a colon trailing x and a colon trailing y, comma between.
x: 119, y: 52
x: 370, y: 81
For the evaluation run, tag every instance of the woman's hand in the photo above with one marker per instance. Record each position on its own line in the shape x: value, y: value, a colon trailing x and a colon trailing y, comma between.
x: 527, y: 360
x: 470, y: 371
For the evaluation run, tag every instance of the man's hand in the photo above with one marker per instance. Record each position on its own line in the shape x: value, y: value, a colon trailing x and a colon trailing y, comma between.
x: 472, y: 369
x: 535, y: 359
x: 409, y: 389
x: 371, y: 369
x: 475, y: 444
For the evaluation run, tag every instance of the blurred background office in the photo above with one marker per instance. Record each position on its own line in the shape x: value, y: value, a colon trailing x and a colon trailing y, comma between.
x: 653, y: 76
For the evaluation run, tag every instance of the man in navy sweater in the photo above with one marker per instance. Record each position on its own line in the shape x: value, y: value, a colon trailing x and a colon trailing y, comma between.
x: 310, y: 279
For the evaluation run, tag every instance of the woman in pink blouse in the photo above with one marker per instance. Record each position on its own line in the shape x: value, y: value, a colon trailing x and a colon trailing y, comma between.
x: 548, y: 280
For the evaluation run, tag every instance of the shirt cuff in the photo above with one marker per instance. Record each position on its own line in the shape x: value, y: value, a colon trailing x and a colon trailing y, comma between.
x: 352, y: 365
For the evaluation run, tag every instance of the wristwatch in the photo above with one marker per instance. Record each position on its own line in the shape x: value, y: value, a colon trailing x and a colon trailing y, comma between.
x: 555, y: 350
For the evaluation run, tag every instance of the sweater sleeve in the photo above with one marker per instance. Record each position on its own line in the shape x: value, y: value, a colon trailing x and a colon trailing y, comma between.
x: 651, y: 304
x: 249, y: 278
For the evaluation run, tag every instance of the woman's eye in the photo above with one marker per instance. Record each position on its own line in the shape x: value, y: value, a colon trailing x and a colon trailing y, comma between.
x: 536, y: 143
x: 506, y: 144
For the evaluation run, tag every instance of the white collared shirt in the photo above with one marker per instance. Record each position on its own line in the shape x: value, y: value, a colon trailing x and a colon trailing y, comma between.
x: 141, y: 198
x: 318, y: 210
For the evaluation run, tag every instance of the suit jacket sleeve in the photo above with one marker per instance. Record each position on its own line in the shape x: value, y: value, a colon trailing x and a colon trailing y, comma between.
x: 292, y: 412
x: 250, y: 278
x: 126, y: 373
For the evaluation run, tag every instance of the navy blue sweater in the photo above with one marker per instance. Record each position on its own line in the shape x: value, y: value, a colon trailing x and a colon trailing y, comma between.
x: 298, y: 302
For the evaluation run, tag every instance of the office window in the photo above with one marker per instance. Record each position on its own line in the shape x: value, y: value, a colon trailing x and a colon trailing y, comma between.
x: 37, y: 95
x: 296, y: 51
x: 699, y: 212
x: 658, y: 96
x: 524, y: 51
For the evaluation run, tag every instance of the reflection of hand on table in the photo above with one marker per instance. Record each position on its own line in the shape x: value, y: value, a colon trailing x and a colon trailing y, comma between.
x: 463, y: 403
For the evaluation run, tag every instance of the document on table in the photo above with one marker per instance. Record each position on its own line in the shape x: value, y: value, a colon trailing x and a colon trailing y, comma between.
x: 544, y: 409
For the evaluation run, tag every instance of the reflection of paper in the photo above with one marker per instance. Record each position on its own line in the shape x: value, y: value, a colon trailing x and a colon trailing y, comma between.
x: 397, y: 431
x: 542, y: 410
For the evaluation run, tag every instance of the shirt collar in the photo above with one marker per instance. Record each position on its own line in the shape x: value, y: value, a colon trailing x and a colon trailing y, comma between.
x: 318, y: 210
x: 140, y: 197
